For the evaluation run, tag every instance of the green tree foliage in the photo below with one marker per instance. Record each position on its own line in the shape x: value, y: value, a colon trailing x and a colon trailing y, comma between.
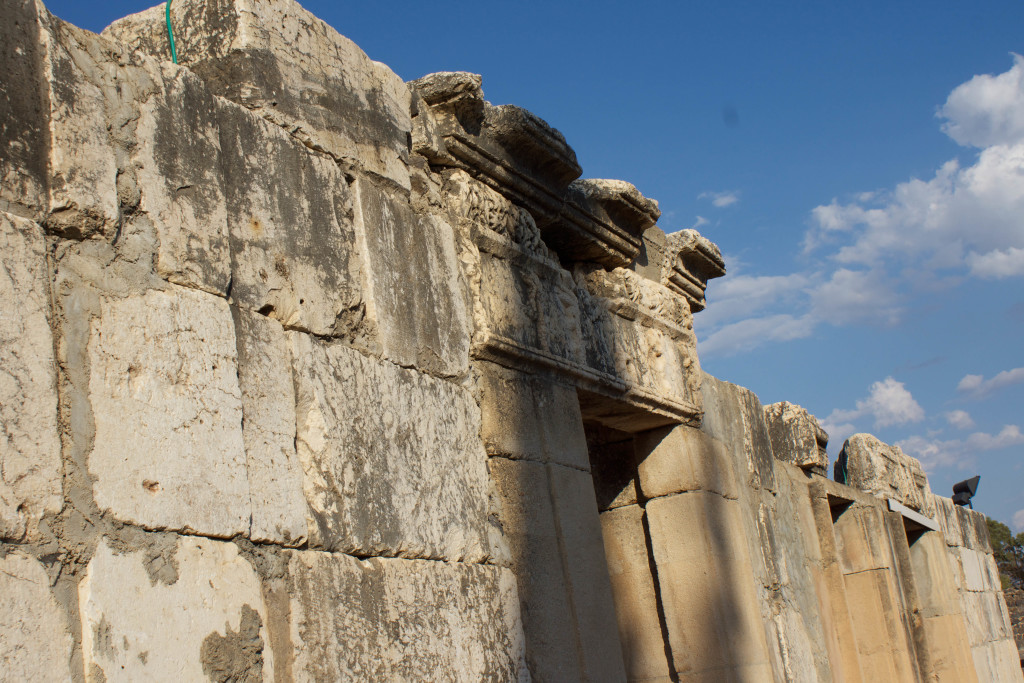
x: 1008, y: 550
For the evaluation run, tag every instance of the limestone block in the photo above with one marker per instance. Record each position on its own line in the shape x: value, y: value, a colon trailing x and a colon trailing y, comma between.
x: 793, y: 598
x: 707, y: 588
x: 586, y: 570
x: 885, y: 471
x: 733, y: 415
x: 974, y: 525
x: 985, y: 617
x: 677, y: 459
x: 526, y: 518
x: 862, y: 540
x: 268, y: 430
x: 398, y: 619
x: 164, y: 365
x: 30, y: 450
x: 391, y: 458
x: 881, y: 639
x: 415, y: 299
x: 948, y: 655
x: 184, y: 609
x: 934, y: 584
x: 973, y: 563
x: 949, y: 522
x: 528, y: 418
x: 82, y: 182
x: 35, y: 644
x: 290, y: 217
x: 24, y: 109
x: 178, y: 168
x: 796, y: 436
x: 291, y: 68
x: 636, y: 603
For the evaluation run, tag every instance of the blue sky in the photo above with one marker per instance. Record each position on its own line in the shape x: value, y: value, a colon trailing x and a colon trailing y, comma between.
x: 861, y: 165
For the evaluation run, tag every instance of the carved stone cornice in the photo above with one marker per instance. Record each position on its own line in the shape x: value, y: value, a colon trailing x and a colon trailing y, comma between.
x: 506, y: 147
x: 691, y: 260
x: 602, y: 221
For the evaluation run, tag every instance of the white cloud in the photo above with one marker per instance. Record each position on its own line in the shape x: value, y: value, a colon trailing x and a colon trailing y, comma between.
x: 889, y: 403
x: 997, y: 264
x: 936, y: 453
x: 886, y: 249
x: 977, y: 386
x: 1018, y: 520
x: 721, y: 199
x: 987, y: 110
x: 960, y: 419
x: 752, y: 332
x: 699, y: 222
x: 853, y: 296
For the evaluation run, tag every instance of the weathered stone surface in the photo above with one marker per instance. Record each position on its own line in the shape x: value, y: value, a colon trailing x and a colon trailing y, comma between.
x: 560, y: 569
x: 397, y: 619
x: 524, y: 417
x: 586, y: 570
x: 184, y: 609
x: 165, y: 364
x: 707, y: 589
x: 30, y: 459
x: 636, y: 603
x: 506, y: 147
x: 178, y: 168
x: 881, y: 639
x: 884, y: 471
x: 733, y: 415
x: 290, y: 217
x: 415, y: 301
x: 796, y: 436
x: 291, y: 68
x: 392, y: 458
x: 787, y: 560
x: 82, y: 197
x: 268, y: 430
x: 35, y: 644
x: 526, y: 519
x: 24, y: 109
x: 862, y: 540
x: 677, y: 459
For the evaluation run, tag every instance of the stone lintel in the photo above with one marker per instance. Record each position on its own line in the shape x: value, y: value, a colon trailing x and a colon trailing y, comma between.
x: 507, y: 147
x: 913, y: 516
x: 692, y: 260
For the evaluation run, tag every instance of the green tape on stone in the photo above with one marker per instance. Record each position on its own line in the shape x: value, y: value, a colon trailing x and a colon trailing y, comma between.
x: 170, y: 33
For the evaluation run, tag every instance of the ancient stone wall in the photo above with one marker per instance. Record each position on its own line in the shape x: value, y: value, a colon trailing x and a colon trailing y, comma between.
x: 313, y: 374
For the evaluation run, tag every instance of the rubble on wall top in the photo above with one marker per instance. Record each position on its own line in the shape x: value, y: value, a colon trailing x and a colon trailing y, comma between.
x: 796, y: 436
x: 885, y: 471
